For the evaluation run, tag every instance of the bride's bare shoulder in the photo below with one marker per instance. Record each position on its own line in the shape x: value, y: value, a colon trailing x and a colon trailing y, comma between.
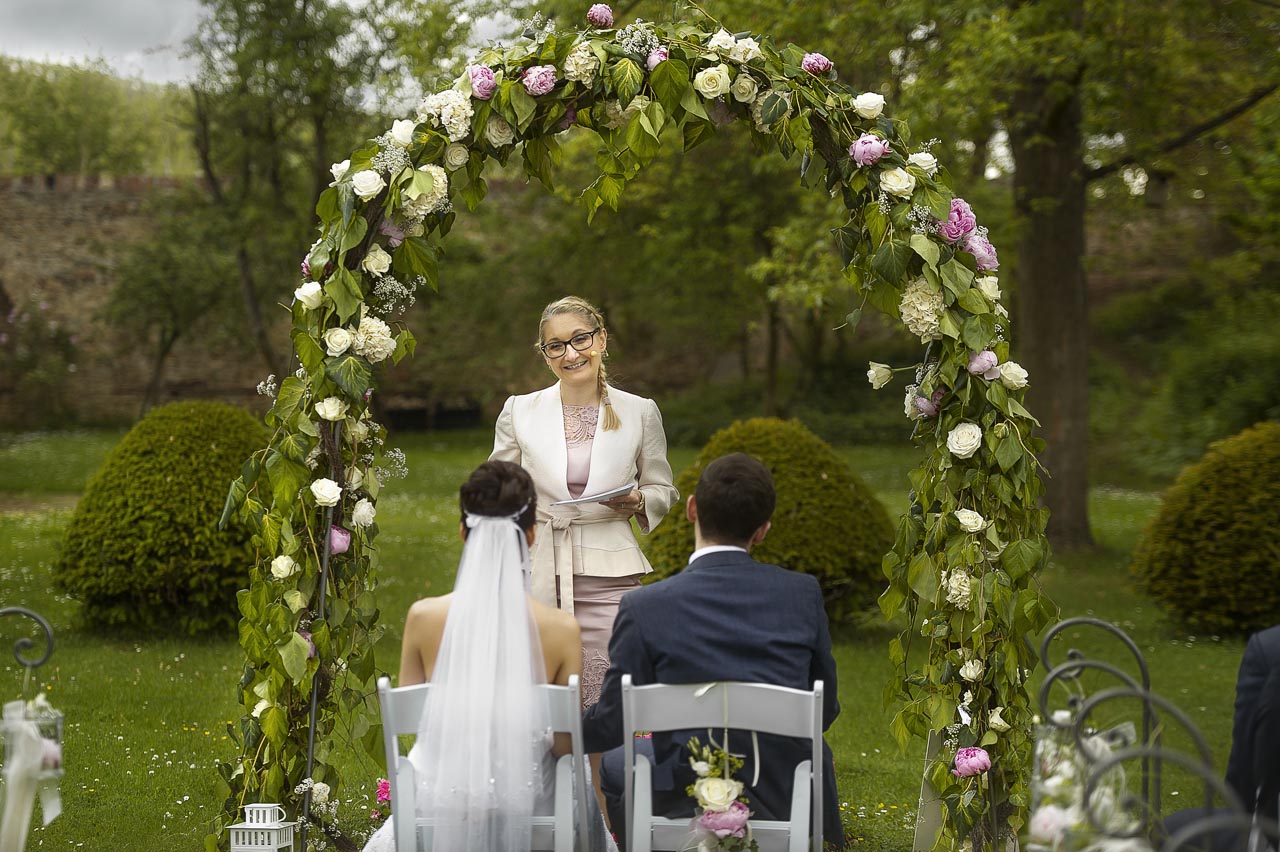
x: 429, y: 611
x: 552, y: 620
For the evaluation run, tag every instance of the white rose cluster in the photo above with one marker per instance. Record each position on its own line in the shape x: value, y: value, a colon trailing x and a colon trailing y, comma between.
x: 376, y: 260
x: 326, y: 491
x: 310, y: 294
x: 581, y: 65
x: 363, y: 513
x: 964, y: 440
x: 450, y: 110
x: 712, y: 83
x: 367, y: 184
x: 722, y: 41
x: 283, y: 567
x: 434, y: 198
x: 745, y: 50
x: 921, y: 308
x: 331, y: 409
x: 373, y: 340
x: 456, y: 156
x: 498, y: 133
x: 869, y: 104
x: 1013, y: 375
x: 715, y: 793
x: 744, y: 88
x: 925, y: 161
x: 972, y: 671
x: 899, y: 182
x: 970, y: 521
x: 989, y: 286
x: 959, y: 589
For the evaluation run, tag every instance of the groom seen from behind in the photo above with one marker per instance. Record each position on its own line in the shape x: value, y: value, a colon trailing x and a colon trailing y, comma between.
x: 725, y: 617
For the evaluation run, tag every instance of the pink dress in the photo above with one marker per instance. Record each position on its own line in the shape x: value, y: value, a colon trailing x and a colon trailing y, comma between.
x: 595, y: 599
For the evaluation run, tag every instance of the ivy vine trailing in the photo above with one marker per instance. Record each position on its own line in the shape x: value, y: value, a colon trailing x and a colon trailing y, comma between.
x: 962, y: 570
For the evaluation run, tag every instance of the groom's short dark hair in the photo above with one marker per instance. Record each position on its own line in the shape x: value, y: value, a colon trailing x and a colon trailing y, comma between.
x: 735, y: 498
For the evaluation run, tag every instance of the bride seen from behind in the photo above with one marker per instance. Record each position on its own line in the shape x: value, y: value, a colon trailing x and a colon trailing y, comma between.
x: 484, y: 755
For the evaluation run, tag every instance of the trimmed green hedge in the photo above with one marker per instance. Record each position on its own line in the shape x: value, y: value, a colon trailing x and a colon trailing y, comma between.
x: 827, y: 522
x: 143, y: 550
x: 1210, y: 557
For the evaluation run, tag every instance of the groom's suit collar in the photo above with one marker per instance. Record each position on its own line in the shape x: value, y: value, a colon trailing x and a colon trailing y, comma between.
x: 714, y: 558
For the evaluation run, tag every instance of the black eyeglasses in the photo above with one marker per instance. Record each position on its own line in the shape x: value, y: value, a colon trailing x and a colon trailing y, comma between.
x: 579, y: 342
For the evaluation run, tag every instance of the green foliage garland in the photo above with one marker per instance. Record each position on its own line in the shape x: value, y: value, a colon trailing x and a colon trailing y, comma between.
x: 827, y: 522
x: 381, y: 228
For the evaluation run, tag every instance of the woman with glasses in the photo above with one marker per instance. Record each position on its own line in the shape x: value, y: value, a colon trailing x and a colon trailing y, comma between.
x: 578, y: 438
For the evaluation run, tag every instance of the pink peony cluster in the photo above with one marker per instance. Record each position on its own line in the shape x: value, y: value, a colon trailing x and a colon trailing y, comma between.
x: 339, y: 540
x: 815, y: 63
x: 600, y: 16
x: 971, y: 761
x: 983, y: 252
x: 985, y: 364
x: 483, y: 84
x: 384, y: 791
x: 658, y: 54
x: 960, y: 221
x: 868, y: 149
x: 731, y: 822
x: 539, y: 79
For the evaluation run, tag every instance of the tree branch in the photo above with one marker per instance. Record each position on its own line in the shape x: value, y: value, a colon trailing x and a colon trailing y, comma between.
x: 1191, y: 135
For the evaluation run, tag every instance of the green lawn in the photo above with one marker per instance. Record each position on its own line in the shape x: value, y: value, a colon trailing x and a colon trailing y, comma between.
x: 146, y: 719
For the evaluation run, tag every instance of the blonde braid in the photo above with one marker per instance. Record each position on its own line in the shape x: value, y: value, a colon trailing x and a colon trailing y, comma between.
x: 589, y: 312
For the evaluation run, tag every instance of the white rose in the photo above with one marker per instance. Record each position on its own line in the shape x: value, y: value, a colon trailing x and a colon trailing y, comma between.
x: 581, y: 64
x: 745, y: 50
x: 456, y: 156
x: 320, y: 793
x: 716, y: 794
x: 722, y: 40
x: 326, y: 491
x: 997, y: 722
x: 262, y: 704
x: 899, y: 182
x: 359, y: 431
x: 970, y: 521
x: 339, y: 171
x: 964, y: 440
x: 959, y: 590
x: 712, y: 83
x: 498, y: 133
x: 363, y: 513
x: 701, y: 767
x: 310, y: 294
x: 331, y: 409
x: 402, y: 132
x: 744, y: 88
x: 925, y: 161
x: 989, y: 286
x: 367, y: 183
x: 1013, y: 375
x: 355, y: 477
x: 869, y: 104
x: 337, y: 341
x: 376, y: 261
x: 879, y: 375
x: 283, y: 567
x: 972, y: 670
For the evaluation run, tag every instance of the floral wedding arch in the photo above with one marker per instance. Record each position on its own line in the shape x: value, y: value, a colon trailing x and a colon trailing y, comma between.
x: 961, y: 575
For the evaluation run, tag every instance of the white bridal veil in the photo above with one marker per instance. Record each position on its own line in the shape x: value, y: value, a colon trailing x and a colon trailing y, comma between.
x: 485, y: 729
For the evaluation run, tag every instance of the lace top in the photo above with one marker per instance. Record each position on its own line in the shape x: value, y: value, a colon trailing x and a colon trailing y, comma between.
x: 579, y: 432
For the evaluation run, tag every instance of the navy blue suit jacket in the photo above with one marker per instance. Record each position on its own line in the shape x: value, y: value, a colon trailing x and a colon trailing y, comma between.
x: 725, y: 617
x: 1261, y: 660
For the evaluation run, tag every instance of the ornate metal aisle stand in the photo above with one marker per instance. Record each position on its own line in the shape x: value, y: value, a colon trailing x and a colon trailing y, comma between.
x: 26, y: 642
x: 1148, y: 752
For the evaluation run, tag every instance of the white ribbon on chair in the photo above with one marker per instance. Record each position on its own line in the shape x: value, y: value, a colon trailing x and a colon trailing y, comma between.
x: 30, y: 759
x: 755, y: 737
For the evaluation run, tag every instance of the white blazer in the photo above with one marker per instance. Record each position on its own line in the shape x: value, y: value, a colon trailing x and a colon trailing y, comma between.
x: 589, y: 539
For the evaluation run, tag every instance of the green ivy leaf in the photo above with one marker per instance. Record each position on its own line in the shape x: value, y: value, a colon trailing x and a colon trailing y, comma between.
x: 290, y: 394
x: 524, y: 105
x: 692, y: 103
x: 344, y: 289
x: 926, y: 248
x: 939, y: 203
x: 1020, y: 557
x: 349, y: 373
x: 956, y: 277
x: 626, y: 78
x: 295, y: 600
x: 1008, y: 451
x: 891, y: 259
x: 293, y: 654
x: 275, y: 727
x: 288, y: 477
x: 922, y: 576
x: 669, y: 81
x: 353, y: 235
x: 974, y: 302
x: 415, y: 256
x: 978, y: 331
x: 235, y: 498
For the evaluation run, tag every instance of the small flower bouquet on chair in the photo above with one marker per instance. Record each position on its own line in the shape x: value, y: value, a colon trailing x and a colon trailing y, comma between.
x: 722, y: 823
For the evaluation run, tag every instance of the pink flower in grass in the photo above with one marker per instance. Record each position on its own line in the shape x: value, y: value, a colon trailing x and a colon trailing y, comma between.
x: 384, y: 790
x: 600, y: 16
x: 483, y: 84
x: 971, y: 761
x: 983, y: 252
x: 726, y: 823
x: 985, y: 364
x: 815, y: 63
x: 658, y: 54
x: 539, y: 79
x: 960, y: 221
x: 339, y: 540
x: 868, y: 149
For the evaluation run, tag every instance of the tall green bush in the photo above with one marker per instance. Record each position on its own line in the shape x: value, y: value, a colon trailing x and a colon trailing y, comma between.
x: 827, y: 522
x: 143, y: 549
x: 1209, y: 557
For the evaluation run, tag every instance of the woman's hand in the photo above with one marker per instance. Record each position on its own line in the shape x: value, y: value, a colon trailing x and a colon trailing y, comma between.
x: 627, y: 504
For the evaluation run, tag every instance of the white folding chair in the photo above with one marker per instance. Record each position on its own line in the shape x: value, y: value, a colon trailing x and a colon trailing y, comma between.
x: 759, y: 707
x: 564, y: 831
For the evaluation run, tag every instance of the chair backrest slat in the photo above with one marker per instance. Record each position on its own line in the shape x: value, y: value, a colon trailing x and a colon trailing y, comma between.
x: 751, y: 706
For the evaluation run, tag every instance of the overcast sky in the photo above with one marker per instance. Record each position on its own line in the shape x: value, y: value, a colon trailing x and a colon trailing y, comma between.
x: 137, y: 37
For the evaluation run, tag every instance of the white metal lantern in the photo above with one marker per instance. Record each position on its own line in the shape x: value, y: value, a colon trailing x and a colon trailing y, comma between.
x: 264, y: 828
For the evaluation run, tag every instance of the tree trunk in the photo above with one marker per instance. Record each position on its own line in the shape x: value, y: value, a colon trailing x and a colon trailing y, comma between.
x: 253, y: 311
x: 163, y: 347
x: 772, y: 321
x: 1052, y: 336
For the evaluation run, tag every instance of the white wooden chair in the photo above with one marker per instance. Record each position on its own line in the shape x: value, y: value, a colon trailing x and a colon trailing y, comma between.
x: 564, y: 831
x: 746, y: 706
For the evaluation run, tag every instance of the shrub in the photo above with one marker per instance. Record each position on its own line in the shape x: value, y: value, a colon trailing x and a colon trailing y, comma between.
x: 143, y: 549
x: 827, y: 522
x: 1209, y: 555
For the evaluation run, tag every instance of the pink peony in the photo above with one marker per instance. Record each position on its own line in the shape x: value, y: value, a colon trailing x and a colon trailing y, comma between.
x: 727, y: 823
x: 539, y: 79
x: 971, y: 761
x: 384, y: 790
x: 483, y: 84
x: 339, y: 540
x: 392, y: 230
x: 311, y: 645
x: 960, y: 221
x: 985, y: 364
x: 306, y: 269
x: 570, y: 116
x: 658, y: 54
x: 868, y: 149
x: 983, y: 252
x: 815, y: 63
x: 929, y: 406
x: 600, y: 16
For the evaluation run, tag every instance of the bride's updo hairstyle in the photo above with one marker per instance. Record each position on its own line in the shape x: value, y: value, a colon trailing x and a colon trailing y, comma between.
x: 499, y: 489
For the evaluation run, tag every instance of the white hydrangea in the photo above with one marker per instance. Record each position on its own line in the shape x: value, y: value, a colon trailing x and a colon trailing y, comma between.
x: 581, y: 65
x: 959, y: 589
x: 434, y: 198
x: 450, y: 110
x: 373, y: 340
x: 615, y: 116
x: 921, y: 307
